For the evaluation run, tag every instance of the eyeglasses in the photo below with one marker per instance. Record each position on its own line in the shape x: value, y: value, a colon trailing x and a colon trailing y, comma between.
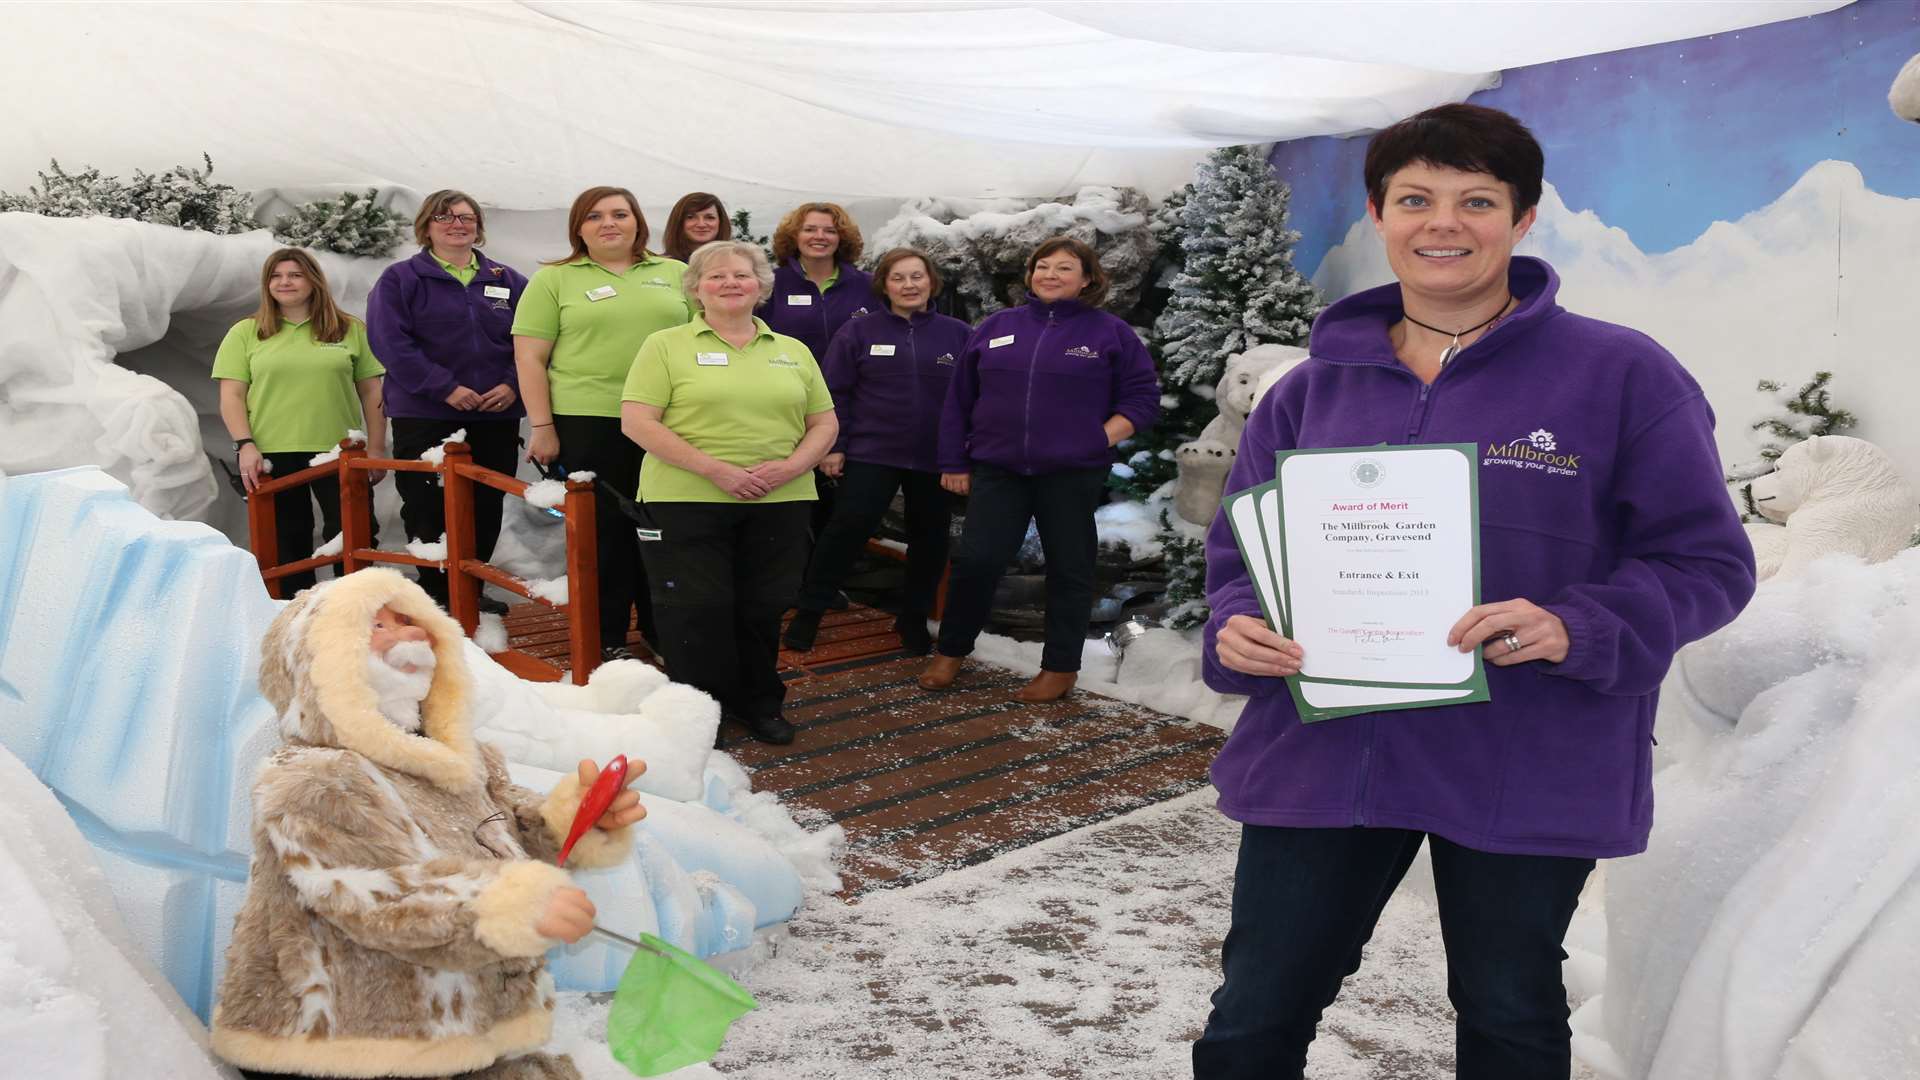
x: 448, y: 219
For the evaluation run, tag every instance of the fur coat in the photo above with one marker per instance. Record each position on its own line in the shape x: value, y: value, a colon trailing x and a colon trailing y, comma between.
x: 388, y: 926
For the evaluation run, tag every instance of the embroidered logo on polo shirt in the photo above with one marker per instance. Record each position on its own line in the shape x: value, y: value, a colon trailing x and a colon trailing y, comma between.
x: 783, y: 360
x: 1082, y: 350
x: 1536, y: 450
x: 652, y: 284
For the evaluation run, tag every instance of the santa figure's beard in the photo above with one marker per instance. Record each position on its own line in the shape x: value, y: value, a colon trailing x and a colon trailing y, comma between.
x: 400, y: 692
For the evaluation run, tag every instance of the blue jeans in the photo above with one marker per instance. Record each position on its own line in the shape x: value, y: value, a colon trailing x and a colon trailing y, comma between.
x: 1306, y: 900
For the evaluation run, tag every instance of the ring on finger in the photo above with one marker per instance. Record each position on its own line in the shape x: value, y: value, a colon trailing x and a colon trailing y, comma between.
x: 1512, y: 640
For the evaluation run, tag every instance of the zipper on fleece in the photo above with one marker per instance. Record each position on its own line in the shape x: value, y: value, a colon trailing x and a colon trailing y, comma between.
x: 1033, y: 364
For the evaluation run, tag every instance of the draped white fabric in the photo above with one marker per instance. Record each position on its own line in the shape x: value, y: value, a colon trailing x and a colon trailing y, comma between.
x: 528, y: 102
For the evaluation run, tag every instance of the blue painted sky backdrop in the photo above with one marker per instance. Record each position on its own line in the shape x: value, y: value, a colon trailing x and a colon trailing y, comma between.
x: 1664, y: 140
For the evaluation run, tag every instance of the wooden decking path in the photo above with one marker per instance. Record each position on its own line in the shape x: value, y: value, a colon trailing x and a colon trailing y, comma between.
x: 927, y: 782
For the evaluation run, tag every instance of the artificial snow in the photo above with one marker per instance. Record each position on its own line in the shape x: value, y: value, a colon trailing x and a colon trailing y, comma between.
x: 1772, y: 929
x: 128, y: 685
x: 491, y: 634
x: 332, y: 546
x: 1160, y: 670
x: 430, y: 550
x: 437, y: 455
x: 546, y: 494
x: 1134, y: 526
x: 78, y: 1000
x: 552, y: 590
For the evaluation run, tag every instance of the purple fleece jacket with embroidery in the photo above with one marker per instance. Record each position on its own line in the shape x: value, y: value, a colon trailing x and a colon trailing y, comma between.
x: 433, y: 334
x: 799, y: 310
x: 1035, y: 384
x: 889, y: 377
x: 1601, y: 500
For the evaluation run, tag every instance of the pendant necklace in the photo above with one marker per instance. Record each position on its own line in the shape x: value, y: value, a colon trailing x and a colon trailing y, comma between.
x: 1453, y: 349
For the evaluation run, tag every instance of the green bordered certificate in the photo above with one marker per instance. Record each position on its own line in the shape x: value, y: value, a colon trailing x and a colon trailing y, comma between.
x: 1367, y: 556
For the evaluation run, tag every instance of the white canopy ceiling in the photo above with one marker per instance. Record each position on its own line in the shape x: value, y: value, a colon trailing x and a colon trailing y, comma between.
x: 526, y: 103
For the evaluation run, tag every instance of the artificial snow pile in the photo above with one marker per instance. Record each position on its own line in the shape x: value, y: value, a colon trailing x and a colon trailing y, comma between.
x: 1161, y: 670
x: 77, y: 1000
x: 128, y: 684
x: 1772, y: 930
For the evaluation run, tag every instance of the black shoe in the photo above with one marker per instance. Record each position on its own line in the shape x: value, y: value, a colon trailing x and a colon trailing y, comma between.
x: 839, y: 601
x: 915, y: 638
x: 616, y: 652
x: 490, y: 606
x: 801, y: 631
x: 771, y: 729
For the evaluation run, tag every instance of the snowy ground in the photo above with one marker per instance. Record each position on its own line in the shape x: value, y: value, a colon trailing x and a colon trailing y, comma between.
x: 1090, y: 955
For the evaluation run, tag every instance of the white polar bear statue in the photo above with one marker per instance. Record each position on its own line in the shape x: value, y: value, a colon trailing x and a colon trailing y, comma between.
x: 1205, y: 462
x: 1834, y: 493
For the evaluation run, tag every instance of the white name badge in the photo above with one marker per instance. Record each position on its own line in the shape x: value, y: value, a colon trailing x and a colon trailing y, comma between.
x: 999, y: 341
x: 496, y: 292
x: 710, y: 359
x: 600, y: 293
x: 800, y: 300
x: 881, y: 350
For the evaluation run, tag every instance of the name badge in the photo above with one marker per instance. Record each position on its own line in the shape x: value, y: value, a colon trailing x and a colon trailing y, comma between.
x: 710, y: 359
x: 496, y: 292
x: 999, y: 341
x: 800, y: 300
x: 882, y: 350
x: 600, y: 293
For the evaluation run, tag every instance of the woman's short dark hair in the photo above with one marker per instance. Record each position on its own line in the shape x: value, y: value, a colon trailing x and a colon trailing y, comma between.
x: 1470, y: 138
x: 441, y: 202
x: 1095, y: 293
x: 897, y: 256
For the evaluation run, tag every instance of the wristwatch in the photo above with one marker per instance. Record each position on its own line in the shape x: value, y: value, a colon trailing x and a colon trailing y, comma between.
x: 238, y: 443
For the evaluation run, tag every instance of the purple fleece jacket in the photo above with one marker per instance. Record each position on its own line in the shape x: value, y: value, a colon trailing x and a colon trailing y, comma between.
x: 799, y: 310
x: 1035, y: 384
x: 433, y: 335
x: 889, y: 379
x: 1601, y: 499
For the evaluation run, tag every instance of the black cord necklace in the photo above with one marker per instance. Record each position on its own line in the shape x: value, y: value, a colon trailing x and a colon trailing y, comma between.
x: 1453, y: 349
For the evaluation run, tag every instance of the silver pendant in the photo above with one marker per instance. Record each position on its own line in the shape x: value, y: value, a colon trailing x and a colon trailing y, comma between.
x: 1450, y: 352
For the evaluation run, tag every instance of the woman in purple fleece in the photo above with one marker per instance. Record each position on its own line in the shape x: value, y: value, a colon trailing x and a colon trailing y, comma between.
x: 1596, y: 571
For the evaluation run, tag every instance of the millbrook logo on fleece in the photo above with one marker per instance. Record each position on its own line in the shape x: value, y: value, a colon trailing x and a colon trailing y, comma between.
x: 1535, y: 450
x: 1084, y: 352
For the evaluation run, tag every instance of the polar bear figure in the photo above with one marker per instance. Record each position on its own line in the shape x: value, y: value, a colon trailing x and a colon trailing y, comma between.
x: 1205, y: 462
x: 1836, y: 493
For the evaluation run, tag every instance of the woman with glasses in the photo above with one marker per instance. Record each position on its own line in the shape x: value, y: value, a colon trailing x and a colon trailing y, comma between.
x: 575, y: 335
x: 443, y: 319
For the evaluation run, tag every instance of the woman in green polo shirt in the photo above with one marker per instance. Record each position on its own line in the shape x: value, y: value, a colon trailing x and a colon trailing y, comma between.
x: 579, y: 323
x: 294, y: 379
x: 733, y: 418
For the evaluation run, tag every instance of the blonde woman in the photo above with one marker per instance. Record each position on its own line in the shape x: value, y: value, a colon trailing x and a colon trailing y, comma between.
x: 733, y: 417
x: 294, y: 378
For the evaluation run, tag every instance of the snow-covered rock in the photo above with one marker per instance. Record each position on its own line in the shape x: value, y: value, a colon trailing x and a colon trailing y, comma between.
x: 1772, y: 930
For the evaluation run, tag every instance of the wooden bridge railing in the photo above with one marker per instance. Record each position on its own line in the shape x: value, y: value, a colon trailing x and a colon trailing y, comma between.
x: 465, y: 572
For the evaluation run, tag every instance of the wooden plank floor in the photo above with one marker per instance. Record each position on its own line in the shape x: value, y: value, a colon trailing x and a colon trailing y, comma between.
x: 926, y: 782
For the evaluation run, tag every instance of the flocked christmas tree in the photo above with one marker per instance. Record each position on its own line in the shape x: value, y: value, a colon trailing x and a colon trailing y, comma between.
x: 182, y: 197
x: 1237, y: 288
x: 1804, y: 413
x: 352, y: 224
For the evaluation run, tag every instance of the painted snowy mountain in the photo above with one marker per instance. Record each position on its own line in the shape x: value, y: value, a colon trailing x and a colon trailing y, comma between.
x: 1819, y: 280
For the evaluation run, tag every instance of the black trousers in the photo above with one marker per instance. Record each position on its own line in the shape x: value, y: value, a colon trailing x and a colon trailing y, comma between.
x: 423, y: 507
x: 597, y: 444
x: 1061, y: 504
x: 293, y: 515
x: 1306, y: 900
x: 865, y: 492
x: 722, y: 575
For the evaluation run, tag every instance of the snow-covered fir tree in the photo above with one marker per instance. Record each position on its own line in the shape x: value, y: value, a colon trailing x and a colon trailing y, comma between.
x: 352, y: 224
x: 1236, y: 288
x: 1801, y: 414
x: 182, y: 197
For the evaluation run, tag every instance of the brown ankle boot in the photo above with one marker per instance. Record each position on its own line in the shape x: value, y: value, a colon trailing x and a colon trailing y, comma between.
x: 1047, y: 686
x: 939, y: 672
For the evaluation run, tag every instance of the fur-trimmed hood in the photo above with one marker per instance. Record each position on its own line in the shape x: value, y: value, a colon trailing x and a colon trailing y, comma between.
x: 313, y: 668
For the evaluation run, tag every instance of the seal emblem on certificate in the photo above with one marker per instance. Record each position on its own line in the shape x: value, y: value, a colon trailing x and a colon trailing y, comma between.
x: 1366, y: 556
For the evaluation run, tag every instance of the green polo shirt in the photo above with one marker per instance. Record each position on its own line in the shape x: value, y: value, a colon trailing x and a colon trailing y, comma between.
x: 743, y: 406
x: 596, y: 320
x: 301, y: 394
x: 462, y: 274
